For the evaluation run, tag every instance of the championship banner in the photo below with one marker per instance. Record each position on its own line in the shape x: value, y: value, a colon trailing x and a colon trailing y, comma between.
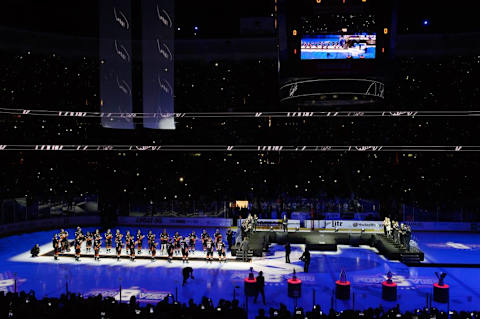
x: 115, y: 54
x: 158, y: 63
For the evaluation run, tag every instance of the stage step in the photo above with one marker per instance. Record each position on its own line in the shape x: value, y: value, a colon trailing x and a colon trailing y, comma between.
x: 244, y: 254
x: 409, y: 258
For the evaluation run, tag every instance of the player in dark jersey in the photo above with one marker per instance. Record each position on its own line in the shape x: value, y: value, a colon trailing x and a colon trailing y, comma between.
x: 209, y: 248
x: 139, y: 241
x: 79, y: 233
x: 184, y: 248
x: 77, y: 244
x: 97, y: 243
x: 153, y: 248
x: 97, y: 237
x: 132, y: 249
x: 56, y: 246
x: 89, y: 241
x: 170, y: 248
x: 217, y: 236
x: 192, y: 241
x: 128, y: 239
x: 221, y: 249
x: 204, y: 237
x: 176, y: 241
x: 149, y: 241
x: 108, y: 240
x: 65, y: 246
x: 218, y: 240
x: 164, y: 240
x: 118, y: 236
x: 118, y: 244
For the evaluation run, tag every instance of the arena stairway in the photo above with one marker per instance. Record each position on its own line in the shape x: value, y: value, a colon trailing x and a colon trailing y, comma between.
x: 244, y: 255
x: 392, y: 250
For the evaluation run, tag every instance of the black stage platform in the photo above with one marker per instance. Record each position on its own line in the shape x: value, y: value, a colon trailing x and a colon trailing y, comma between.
x: 328, y: 241
x: 145, y: 255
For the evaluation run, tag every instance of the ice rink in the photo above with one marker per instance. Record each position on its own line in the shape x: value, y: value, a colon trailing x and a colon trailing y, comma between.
x: 458, y: 254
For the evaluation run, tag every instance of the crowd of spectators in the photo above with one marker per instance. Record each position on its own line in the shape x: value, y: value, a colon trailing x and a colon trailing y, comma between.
x: 51, y: 82
x: 433, y: 83
x: 350, y: 22
x: 416, y: 178
x: 228, y: 83
x: 27, y: 305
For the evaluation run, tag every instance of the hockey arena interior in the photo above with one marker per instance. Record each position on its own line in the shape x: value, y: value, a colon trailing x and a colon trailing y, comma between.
x: 256, y: 159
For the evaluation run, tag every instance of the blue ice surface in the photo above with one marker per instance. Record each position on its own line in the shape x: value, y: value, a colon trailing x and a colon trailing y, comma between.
x: 454, y: 247
x: 364, y: 268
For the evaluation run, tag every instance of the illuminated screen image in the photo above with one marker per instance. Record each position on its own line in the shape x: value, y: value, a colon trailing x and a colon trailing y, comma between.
x: 336, y: 46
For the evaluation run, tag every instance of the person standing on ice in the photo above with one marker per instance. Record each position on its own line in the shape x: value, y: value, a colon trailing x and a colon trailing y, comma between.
x: 285, y: 223
x: 288, y: 249
x: 306, y: 259
x: 187, y: 272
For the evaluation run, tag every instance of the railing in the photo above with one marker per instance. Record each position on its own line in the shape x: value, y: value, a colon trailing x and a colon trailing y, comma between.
x: 439, y: 214
x: 14, y: 210
x: 184, y: 208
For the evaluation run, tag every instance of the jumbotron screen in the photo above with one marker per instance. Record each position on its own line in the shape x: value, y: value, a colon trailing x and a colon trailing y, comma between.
x: 338, y: 46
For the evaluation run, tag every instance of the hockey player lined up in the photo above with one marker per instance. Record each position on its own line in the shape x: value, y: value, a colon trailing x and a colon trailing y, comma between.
x: 153, y: 249
x: 221, y: 249
x: 209, y: 248
x: 97, y: 237
x: 170, y: 248
x: 118, y: 243
x: 89, y: 241
x: 192, y: 241
x: 118, y: 236
x: 118, y: 246
x: 184, y: 245
x: 184, y: 248
x: 56, y: 246
x: 78, y: 245
x: 97, y: 243
x: 132, y: 249
x: 150, y: 241
x: 217, y: 236
x: 204, y: 237
x: 176, y: 241
x: 139, y: 241
x: 78, y: 233
x: 128, y: 240
x: 65, y: 246
x: 164, y: 240
x: 108, y: 240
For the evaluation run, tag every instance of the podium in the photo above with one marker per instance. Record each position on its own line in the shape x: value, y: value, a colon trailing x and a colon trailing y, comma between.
x: 389, y: 291
x: 342, y: 290
x: 250, y: 287
x: 294, y: 288
x: 441, y: 293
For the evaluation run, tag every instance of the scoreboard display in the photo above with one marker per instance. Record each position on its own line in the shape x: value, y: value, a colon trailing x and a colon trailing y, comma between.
x: 338, y: 46
x: 333, y: 38
x: 333, y: 53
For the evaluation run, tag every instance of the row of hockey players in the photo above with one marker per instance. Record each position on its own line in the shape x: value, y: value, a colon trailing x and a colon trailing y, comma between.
x: 169, y: 245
